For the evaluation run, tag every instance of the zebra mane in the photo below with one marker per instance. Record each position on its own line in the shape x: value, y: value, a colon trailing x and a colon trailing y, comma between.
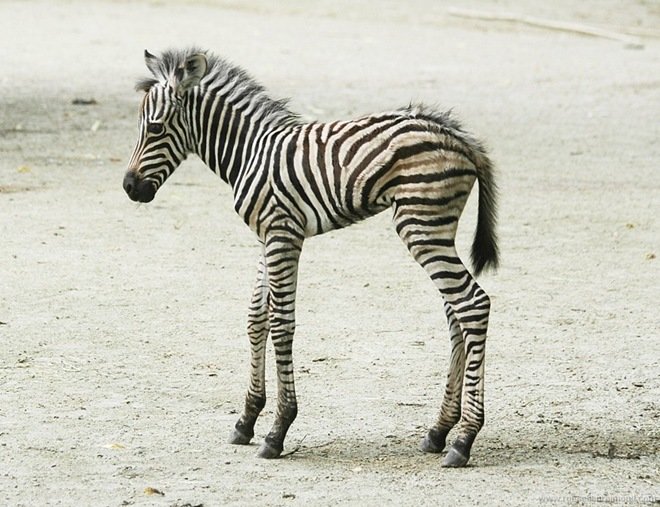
x: 232, y: 81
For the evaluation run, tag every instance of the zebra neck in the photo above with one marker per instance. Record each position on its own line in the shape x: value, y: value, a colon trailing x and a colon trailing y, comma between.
x: 227, y: 133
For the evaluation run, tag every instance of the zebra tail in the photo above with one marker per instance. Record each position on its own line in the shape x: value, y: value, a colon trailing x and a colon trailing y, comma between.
x: 485, y: 253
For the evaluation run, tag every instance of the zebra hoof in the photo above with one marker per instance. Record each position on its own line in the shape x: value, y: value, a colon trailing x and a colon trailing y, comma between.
x: 238, y: 438
x: 267, y: 451
x: 455, y: 459
x: 433, y: 442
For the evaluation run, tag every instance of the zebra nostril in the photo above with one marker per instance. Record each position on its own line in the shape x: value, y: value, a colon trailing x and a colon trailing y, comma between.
x: 129, y: 183
x: 139, y: 189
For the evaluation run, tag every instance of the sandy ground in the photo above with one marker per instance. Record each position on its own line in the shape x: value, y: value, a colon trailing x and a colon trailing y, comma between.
x: 123, y: 356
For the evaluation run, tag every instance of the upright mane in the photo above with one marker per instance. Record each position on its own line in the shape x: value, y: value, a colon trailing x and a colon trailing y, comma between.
x: 233, y: 82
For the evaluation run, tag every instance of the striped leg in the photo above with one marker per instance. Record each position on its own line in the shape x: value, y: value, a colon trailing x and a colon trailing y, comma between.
x: 432, y: 246
x: 450, y: 411
x: 258, y: 327
x: 472, y: 307
x: 282, y: 255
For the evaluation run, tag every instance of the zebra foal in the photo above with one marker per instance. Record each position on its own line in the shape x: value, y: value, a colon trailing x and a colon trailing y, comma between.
x: 292, y: 180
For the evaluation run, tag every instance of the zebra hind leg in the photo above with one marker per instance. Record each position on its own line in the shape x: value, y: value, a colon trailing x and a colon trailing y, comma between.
x: 258, y: 328
x: 430, y: 239
x: 472, y: 308
x: 450, y: 411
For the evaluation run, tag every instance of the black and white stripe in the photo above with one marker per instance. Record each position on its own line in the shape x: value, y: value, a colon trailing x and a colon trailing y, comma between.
x: 292, y: 180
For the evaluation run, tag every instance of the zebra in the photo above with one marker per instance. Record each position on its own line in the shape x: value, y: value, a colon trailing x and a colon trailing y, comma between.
x: 293, y: 179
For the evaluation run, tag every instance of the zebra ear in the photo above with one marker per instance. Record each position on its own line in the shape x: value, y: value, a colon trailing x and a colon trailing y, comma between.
x: 192, y: 72
x: 151, y: 61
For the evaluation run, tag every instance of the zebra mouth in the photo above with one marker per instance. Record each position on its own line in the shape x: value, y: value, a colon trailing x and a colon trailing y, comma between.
x: 138, y: 189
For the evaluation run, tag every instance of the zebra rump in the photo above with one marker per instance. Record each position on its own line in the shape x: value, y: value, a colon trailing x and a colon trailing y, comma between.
x: 485, y: 252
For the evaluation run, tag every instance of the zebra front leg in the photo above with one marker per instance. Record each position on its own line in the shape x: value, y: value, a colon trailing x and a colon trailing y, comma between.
x: 282, y: 255
x: 258, y: 327
x: 450, y: 411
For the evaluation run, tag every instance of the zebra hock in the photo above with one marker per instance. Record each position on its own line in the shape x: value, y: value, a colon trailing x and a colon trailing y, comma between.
x: 293, y: 179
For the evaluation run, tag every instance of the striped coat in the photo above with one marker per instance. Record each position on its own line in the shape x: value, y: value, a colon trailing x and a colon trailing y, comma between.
x: 292, y: 180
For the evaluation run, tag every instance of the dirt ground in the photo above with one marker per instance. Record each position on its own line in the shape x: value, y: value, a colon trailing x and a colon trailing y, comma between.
x: 123, y: 353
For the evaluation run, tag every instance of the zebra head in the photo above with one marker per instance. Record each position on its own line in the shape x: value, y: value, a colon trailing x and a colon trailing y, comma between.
x: 163, y: 138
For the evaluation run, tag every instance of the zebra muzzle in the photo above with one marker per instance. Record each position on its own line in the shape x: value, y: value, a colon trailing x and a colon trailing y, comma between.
x: 137, y: 188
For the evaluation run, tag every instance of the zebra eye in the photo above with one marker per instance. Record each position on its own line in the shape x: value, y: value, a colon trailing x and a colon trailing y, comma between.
x: 155, y: 128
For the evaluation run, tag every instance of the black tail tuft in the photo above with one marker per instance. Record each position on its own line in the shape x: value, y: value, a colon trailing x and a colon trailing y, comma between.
x: 484, y: 247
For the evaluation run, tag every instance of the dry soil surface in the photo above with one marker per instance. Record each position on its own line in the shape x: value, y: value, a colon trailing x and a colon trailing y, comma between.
x: 123, y: 356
